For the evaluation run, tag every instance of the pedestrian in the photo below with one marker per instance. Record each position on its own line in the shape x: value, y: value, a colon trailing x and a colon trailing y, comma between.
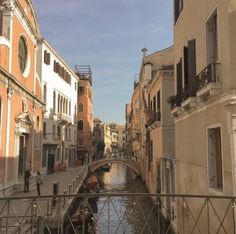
x: 39, y: 182
x: 27, y: 177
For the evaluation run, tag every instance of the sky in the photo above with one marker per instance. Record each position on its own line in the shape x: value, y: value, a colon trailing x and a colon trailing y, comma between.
x: 108, y: 35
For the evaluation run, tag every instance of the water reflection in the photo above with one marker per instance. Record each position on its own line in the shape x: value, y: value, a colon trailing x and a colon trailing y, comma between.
x: 123, y: 214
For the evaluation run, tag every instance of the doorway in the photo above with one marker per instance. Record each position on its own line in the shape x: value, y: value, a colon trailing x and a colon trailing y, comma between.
x: 51, y: 162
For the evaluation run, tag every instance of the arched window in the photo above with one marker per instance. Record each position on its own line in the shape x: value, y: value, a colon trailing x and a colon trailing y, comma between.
x: 80, y: 125
x: 54, y: 101
x: 70, y: 108
x: 22, y: 54
x: 58, y: 104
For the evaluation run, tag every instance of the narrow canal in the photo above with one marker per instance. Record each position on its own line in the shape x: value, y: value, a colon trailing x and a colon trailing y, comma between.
x: 124, y: 214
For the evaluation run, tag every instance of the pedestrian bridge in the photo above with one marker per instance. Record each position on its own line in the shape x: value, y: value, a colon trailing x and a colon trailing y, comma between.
x: 98, y: 163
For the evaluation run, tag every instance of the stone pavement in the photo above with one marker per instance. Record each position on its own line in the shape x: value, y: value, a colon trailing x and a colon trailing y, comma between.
x: 63, y: 177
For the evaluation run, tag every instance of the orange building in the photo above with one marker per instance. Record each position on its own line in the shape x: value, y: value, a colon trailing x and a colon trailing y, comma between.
x: 85, y: 112
x: 21, y: 105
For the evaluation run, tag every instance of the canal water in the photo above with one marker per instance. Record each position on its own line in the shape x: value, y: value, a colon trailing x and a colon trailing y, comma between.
x: 124, y: 214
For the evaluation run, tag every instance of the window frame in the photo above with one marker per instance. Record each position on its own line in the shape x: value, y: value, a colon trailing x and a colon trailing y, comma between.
x: 26, y: 67
x: 215, y: 189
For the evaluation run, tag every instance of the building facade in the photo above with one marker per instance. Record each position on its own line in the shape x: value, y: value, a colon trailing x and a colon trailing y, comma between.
x: 204, y: 104
x: 21, y: 103
x: 59, y: 90
x: 85, y: 113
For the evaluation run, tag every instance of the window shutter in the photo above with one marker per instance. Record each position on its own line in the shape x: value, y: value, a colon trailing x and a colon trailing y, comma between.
x: 191, y: 62
x: 186, y: 81
x: 176, y: 3
x: 48, y: 58
x: 179, y: 78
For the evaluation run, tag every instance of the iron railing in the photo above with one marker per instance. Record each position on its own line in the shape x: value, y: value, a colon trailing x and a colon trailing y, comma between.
x: 175, y: 101
x: 209, y: 74
x: 183, y: 214
x: 154, y: 117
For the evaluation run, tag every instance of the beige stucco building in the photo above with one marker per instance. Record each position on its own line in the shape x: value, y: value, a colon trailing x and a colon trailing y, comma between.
x: 204, y: 107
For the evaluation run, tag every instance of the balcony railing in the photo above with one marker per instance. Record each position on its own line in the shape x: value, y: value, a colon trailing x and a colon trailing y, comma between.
x: 154, y: 117
x: 209, y: 74
x: 189, y: 91
x: 64, y: 118
x: 175, y: 101
x: 172, y: 213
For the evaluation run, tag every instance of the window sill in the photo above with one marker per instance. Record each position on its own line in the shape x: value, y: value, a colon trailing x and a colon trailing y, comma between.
x: 216, y: 191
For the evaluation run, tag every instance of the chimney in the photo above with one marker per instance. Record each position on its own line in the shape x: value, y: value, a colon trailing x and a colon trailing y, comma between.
x: 144, y: 50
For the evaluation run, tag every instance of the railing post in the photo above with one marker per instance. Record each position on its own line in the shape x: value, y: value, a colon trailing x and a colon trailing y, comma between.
x: 234, y: 210
x: 158, y: 215
x: 208, y: 217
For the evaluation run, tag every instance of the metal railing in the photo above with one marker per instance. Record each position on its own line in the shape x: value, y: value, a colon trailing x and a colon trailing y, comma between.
x: 168, y: 214
x: 175, y: 101
x: 209, y: 74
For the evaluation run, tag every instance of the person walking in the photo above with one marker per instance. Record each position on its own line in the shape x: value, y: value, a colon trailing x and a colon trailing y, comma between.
x: 27, y: 177
x: 39, y: 182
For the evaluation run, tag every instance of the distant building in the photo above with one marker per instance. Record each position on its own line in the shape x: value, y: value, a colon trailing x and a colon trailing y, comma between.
x: 59, y: 87
x: 98, y: 141
x: 107, y: 139
x: 85, y: 113
x: 21, y: 103
x: 121, y: 138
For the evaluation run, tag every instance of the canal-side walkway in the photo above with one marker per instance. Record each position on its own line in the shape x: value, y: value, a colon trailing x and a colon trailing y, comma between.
x: 19, y: 204
x: 64, y: 178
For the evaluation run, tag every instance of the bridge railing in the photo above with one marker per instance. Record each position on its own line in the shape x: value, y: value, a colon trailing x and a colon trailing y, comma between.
x: 168, y: 214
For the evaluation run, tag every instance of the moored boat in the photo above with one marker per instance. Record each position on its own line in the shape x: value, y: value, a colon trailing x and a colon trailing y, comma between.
x: 93, y: 184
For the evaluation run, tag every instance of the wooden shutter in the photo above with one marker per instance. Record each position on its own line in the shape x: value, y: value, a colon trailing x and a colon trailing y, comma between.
x: 186, y: 81
x: 191, y: 61
x: 176, y: 5
x: 179, y: 78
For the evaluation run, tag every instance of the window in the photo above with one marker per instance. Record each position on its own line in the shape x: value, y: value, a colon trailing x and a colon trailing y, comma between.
x: 178, y: 4
x: 58, y: 132
x: 81, y: 90
x: 46, y: 57
x: 45, y: 93
x: 66, y: 131
x: 54, y: 101
x: 212, y: 39
x: 22, y: 54
x: 75, y: 86
x: 81, y: 107
x: 179, y: 77
x: 54, y: 130
x: 37, y: 132
x: 69, y: 134
x: 44, y: 129
x: 70, y: 108
x: 81, y: 142
x: 80, y: 125
x: 215, y: 175
x: 58, y: 104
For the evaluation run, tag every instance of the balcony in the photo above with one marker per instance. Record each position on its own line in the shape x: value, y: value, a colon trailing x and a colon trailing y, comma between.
x: 63, y: 118
x: 189, y: 99
x: 155, y: 117
x: 175, y: 104
x: 208, y: 82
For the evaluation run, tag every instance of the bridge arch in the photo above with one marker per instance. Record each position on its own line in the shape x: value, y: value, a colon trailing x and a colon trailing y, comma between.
x: 95, y: 165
